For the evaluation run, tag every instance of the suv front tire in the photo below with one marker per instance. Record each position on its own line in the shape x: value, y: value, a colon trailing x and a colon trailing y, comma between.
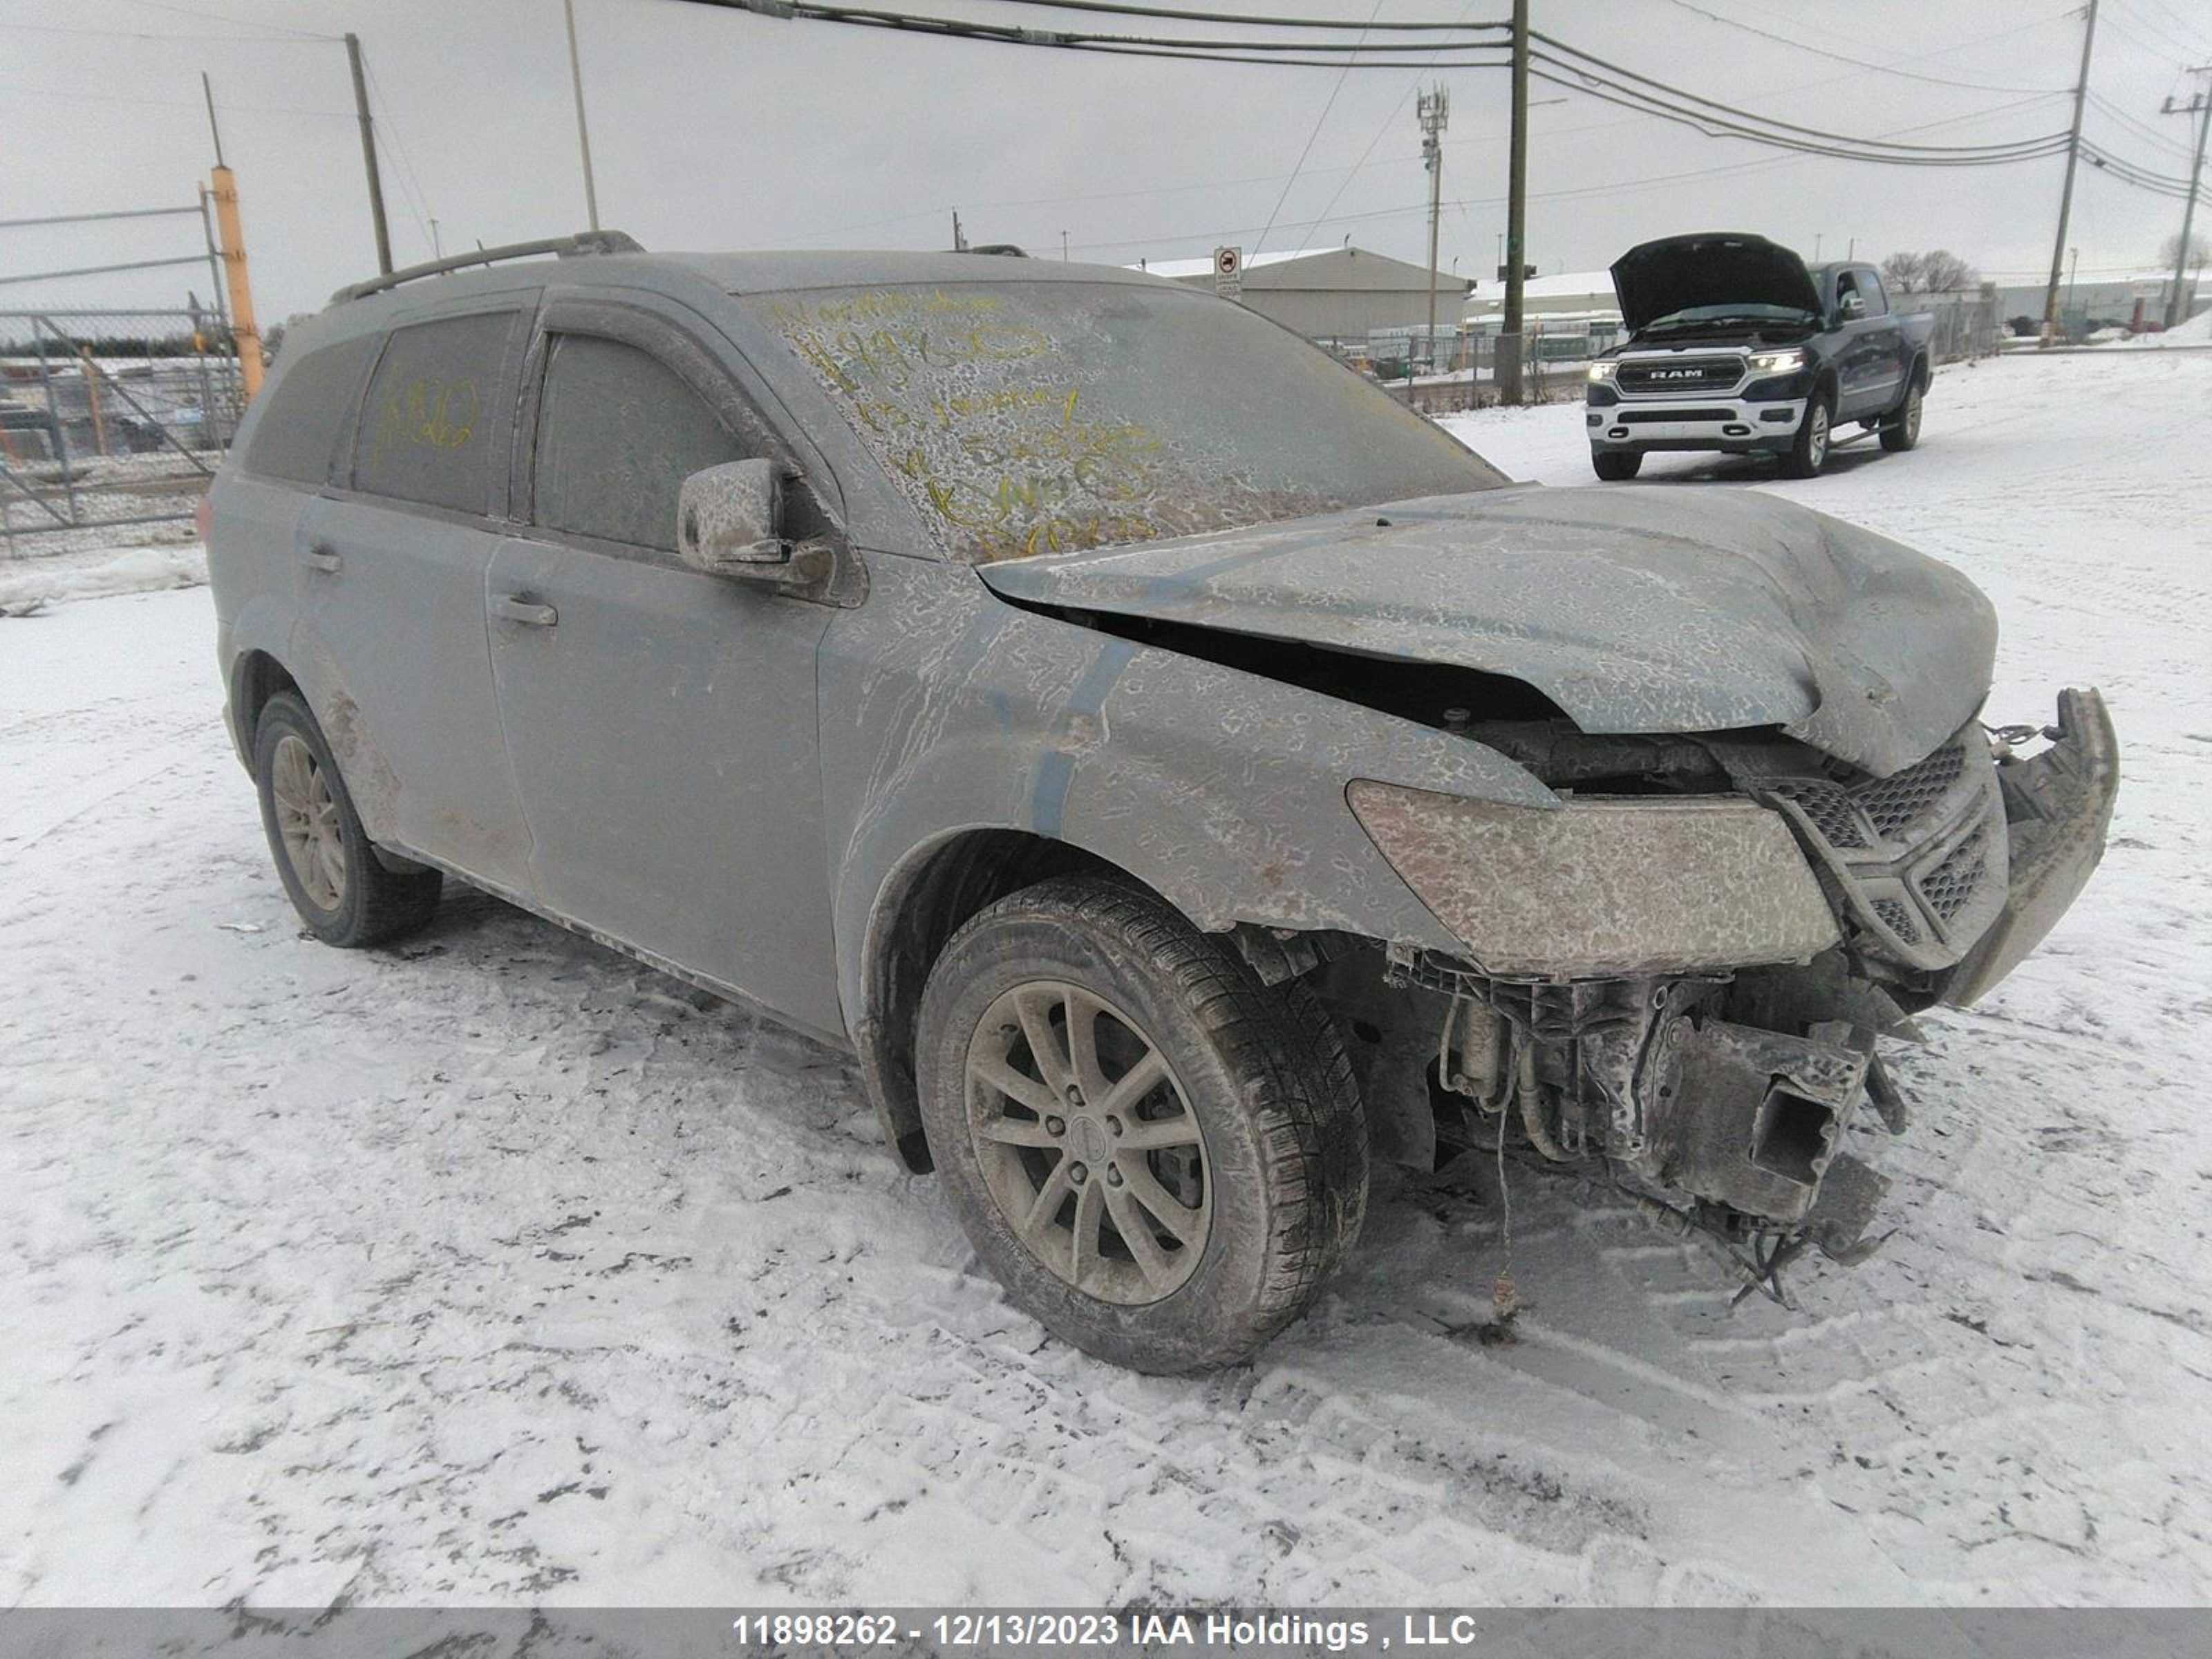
x: 1160, y: 1157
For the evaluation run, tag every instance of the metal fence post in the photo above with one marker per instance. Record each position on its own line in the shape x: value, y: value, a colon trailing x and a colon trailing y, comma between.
x: 54, y: 415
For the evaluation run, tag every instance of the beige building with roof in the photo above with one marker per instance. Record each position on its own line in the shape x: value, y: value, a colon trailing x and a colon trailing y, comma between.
x: 1342, y: 294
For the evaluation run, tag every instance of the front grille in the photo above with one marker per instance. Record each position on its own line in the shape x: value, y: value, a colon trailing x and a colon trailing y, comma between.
x: 1947, y: 888
x: 1899, y: 920
x: 1829, y: 806
x: 1895, y: 802
x: 1920, y: 855
x: 1674, y: 376
x: 1635, y: 416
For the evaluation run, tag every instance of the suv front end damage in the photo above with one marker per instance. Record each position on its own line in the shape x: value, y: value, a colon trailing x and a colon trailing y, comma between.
x: 1688, y: 988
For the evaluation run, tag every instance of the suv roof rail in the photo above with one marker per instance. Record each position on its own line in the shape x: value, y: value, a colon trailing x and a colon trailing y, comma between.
x: 589, y: 242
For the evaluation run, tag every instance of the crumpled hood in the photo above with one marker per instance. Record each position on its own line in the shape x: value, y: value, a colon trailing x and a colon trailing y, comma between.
x: 1718, y: 268
x: 1634, y: 609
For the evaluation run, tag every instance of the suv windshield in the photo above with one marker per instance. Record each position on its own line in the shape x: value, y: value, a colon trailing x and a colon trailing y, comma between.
x: 1035, y: 417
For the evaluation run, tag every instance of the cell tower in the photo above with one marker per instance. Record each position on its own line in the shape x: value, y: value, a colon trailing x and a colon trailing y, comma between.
x: 1434, y: 110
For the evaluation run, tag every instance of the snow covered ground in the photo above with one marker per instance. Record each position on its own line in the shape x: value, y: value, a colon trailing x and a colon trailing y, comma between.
x: 496, y: 1268
x: 92, y: 573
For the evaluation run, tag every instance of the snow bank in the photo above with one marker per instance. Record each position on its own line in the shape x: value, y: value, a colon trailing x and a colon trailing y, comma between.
x: 99, y: 575
x: 2197, y: 331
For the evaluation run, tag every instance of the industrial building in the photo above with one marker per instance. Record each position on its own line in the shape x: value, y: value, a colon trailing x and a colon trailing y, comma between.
x: 1338, y: 296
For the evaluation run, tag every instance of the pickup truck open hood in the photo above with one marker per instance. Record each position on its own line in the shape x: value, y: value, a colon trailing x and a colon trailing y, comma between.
x: 1633, y: 609
x: 1716, y: 268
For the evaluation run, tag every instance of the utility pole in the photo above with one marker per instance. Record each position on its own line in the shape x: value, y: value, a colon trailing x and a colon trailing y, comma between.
x: 959, y: 239
x: 369, y: 155
x: 1063, y: 247
x: 2066, y: 194
x: 1517, y: 214
x: 583, y: 132
x: 2201, y: 107
x: 437, y: 249
x: 2073, y: 268
x: 1434, y: 110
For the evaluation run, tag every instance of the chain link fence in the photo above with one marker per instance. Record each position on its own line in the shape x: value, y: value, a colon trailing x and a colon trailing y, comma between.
x: 109, y: 419
x: 1967, y: 325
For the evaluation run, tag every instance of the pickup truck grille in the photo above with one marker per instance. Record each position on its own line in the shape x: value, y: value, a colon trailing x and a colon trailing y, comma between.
x: 1671, y: 377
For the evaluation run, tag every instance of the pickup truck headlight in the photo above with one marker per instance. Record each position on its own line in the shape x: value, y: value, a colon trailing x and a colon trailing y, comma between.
x: 1630, y: 884
x: 1777, y: 362
x: 1602, y: 370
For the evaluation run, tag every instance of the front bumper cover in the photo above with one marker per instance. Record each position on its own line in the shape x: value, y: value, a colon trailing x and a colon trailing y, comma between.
x: 2058, y: 809
x: 1735, y: 424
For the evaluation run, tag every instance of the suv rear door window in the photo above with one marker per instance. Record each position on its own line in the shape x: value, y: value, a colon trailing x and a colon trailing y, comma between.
x: 297, y: 436
x: 618, y: 431
x: 431, y: 427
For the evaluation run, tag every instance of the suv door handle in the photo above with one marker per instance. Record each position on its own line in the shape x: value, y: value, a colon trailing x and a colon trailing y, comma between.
x: 319, y: 556
x: 531, y: 614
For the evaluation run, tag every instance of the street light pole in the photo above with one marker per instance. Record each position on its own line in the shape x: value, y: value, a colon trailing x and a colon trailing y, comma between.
x: 368, y: 156
x: 583, y: 132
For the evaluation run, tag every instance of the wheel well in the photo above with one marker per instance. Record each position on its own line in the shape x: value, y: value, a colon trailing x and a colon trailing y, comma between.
x: 926, y: 904
x: 258, y: 677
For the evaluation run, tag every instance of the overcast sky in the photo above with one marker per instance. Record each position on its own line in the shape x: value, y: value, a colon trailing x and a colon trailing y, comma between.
x: 716, y: 128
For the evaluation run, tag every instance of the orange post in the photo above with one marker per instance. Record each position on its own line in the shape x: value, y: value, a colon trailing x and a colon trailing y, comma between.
x: 224, y: 186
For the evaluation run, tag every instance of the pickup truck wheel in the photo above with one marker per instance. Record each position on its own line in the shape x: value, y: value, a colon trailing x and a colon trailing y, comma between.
x: 1810, y: 453
x: 331, y: 873
x: 1901, y: 431
x: 1159, y: 1157
x: 1617, y: 465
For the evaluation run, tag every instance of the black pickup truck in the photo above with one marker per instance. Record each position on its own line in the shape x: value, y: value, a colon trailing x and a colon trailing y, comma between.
x: 1737, y: 344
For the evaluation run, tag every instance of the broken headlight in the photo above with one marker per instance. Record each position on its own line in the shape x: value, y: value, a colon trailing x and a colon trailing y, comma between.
x: 1632, y: 884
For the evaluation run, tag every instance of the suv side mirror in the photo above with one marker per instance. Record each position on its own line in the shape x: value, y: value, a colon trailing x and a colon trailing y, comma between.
x: 1851, y: 307
x: 729, y: 520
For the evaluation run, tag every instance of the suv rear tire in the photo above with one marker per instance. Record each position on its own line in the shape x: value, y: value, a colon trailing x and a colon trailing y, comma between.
x: 1617, y: 465
x: 329, y: 869
x: 1171, y: 1189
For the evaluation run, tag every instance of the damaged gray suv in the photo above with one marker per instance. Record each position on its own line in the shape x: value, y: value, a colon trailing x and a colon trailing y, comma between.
x: 1180, y: 774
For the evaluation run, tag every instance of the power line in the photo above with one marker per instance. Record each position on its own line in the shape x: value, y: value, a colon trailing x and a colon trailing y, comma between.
x: 2136, y: 20
x: 1563, y: 64
x: 235, y: 22
x: 2137, y: 129
x: 1242, y: 20
x: 1571, y: 59
x: 1840, y: 57
x: 418, y: 203
x: 1319, y: 121
x: 1344, y: 183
